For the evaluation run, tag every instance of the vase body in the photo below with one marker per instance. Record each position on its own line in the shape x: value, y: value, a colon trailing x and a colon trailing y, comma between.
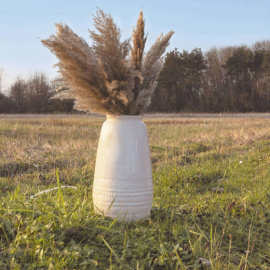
x: 123, y: 185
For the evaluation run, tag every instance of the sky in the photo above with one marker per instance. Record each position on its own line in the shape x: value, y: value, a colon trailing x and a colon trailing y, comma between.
x: 196, y: 23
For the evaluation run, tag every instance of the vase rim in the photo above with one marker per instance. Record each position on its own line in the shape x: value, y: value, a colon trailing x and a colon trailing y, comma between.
x: 124, y: 117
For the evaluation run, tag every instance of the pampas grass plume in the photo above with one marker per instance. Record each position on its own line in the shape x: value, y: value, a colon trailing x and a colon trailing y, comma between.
x: 111, y: 77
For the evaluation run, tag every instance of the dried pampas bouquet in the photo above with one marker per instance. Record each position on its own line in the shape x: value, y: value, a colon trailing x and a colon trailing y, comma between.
x: 111, y: 77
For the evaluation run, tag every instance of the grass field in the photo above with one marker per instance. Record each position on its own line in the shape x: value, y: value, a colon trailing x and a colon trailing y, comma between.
x: 190, y: 219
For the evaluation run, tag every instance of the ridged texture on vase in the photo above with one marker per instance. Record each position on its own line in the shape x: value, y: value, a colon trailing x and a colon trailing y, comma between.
x: 123, y: 185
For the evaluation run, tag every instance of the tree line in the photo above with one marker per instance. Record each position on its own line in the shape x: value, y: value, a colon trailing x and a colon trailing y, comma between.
x: 33, y: 96
x: 228, y: 79
x: 234, y: 79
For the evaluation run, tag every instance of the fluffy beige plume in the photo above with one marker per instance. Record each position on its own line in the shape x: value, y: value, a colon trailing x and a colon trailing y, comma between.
x: 104, y: 78
x: 109, y: 49
x: 78, y: 66
x: 138, y: 40
x: 155, y: 52
x: 151, y: 66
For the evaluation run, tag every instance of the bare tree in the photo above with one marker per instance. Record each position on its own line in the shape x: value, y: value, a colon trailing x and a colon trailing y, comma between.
x: 263, y: 45
x: 18, y: 95
x: 216, y: 91
x: 1, y: 79
x: 38, y: 93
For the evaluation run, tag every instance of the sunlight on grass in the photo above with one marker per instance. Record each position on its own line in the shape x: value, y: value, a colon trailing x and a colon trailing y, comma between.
x: 192, y: 222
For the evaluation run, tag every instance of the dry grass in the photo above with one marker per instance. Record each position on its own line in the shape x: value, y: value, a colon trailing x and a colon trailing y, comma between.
x: 42, y: 144
x: 31, y: 148
x: 218, y: 132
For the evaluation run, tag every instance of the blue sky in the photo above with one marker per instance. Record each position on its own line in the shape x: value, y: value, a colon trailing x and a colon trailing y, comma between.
x: 197, y: 23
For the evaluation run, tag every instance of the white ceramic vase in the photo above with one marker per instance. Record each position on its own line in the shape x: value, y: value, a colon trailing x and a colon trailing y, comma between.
x: 123, y: 185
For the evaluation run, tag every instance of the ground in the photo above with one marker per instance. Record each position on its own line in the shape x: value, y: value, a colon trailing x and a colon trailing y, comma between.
x: 211, y: 195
